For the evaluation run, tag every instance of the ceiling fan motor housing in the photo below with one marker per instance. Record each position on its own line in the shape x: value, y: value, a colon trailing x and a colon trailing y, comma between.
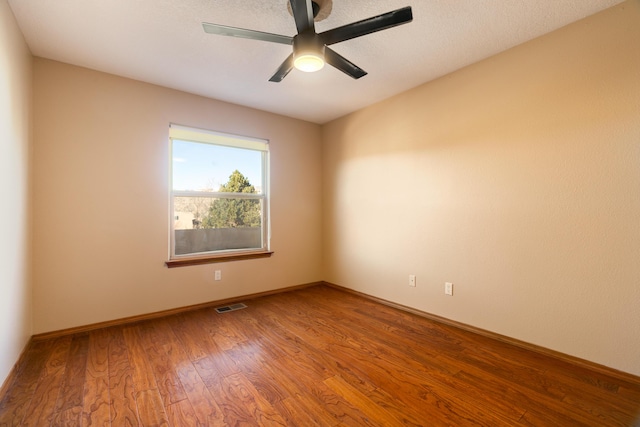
x: 308, y: 48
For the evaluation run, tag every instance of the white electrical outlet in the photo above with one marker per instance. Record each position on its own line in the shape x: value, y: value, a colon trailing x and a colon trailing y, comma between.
x: 448, y: 288
x: 412, y: 280
x: 218, y: 275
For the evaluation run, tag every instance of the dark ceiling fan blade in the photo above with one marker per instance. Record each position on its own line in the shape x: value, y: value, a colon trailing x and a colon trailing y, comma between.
x: 303, y: 15
x: 284, y: 69
x: 343, y: 64
x: 367, y: 26
x: 223, y: 30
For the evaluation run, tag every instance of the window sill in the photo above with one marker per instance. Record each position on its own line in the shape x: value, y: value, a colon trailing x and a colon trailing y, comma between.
x: 184, y: 262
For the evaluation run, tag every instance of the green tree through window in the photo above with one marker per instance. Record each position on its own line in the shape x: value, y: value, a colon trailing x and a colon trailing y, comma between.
x: 234, y: 213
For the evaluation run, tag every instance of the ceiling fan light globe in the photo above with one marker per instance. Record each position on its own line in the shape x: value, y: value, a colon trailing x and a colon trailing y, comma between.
x: 308, y: 62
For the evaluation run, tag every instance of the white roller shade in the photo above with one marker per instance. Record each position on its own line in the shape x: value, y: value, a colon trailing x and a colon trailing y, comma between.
x: 201, y: 135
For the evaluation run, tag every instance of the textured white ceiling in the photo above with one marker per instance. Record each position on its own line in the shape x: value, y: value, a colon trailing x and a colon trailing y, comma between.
x: 162, y: 42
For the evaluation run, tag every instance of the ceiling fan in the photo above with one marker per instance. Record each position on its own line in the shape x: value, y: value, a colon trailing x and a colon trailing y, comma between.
x: 310, y: 49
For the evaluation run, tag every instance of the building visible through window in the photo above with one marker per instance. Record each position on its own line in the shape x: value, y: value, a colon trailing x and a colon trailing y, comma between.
x: 219, y: 193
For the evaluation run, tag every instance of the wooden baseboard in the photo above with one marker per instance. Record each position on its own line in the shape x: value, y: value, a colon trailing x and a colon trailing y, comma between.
x: 576, y: 361
x: 163, y: 313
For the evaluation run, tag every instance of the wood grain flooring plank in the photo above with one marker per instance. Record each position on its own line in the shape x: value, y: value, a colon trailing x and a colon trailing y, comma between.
x: 16, y: 401
x: 123, y: 408
x: 208, y: 371
x: 432, y: 400
x: 607, y: 411
x: 507, y: 366
x: 260, y: 409
x: 141, y: 368
x: 341, y: 409
x: 357, y: 399
x: 382, y: 317
x: 96, y: 391
x: 297, y: 400
x: 629, y: 395
x: 151, y: 410
x: 537, y: 392
x: 316, y: 410
x: 294, y: 413
x: 595, y: 393
x: 379, y: 345
x: 181, y: 414
x: 192, y: 330
x: 68, y: 411
x: 581, y: 377
x: 185, y: 327
x: 363, y: 350
x: 399, y: 408
x: 423, y: 350
x: 45, y: 397
x: 253, y: 366
x: 534, y: 418
x: 274, y: 332
x: 310, y: 381
x: 233, y: 410
x: 293, y: 346
x: 205, y: 326
x: 167, y: 380
x: 386, y: 379
x: 225, y: 331
x: 258, y: 335
x: 204, y: 405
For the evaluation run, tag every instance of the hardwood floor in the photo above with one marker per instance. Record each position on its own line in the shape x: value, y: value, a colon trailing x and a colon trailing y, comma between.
x: 316, y: 356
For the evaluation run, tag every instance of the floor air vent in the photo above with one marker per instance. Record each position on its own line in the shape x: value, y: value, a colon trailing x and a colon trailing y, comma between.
x: 232, y: 307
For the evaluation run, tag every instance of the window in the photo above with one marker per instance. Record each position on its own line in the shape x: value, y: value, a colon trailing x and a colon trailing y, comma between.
x: 219, y: 197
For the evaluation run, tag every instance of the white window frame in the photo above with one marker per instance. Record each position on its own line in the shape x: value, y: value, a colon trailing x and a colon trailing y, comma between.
x: 184, y: 133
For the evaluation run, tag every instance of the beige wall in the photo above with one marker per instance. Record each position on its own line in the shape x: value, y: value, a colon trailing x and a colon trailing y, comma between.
x: 517, y: 179
x: 15, y: 106
x: 101, y: 159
